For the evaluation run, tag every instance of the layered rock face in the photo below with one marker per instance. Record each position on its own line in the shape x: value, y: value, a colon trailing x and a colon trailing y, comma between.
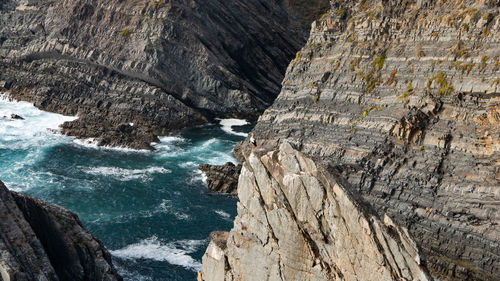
x: 296, y: 221
x: 401, y: 99
x: 161, y: 65
x: 40, y: 241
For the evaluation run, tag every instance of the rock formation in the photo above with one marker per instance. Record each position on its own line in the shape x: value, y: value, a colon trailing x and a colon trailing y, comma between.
x: 222, y: 178
x: 296, y: 221
x: 401, y: 101
x: 41, y: 241
x: 161, y: 64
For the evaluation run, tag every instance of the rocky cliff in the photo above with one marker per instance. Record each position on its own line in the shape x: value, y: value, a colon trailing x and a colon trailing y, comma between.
x: 400, y: 101
x: 132, y: 70
x: 296, y: 221
x: 40, y: 241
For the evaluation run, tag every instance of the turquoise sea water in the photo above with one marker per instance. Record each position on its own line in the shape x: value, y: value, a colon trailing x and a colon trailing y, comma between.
x: 152, y: 210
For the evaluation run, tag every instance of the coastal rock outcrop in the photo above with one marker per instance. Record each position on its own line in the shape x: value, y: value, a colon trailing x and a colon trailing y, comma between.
x: 41, y: 241
x: 161, y: 65
x: 401, y: 99
x: 222, y: 178
x: 298, y: 221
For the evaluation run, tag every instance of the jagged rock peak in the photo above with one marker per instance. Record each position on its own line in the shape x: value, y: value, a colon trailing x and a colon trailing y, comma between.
x: 297, y: 221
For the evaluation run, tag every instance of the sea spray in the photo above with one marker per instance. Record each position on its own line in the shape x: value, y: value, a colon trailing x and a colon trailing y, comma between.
x: 151, y: 209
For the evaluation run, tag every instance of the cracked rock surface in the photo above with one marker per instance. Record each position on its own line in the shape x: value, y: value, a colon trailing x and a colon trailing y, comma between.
x: 297, y: 221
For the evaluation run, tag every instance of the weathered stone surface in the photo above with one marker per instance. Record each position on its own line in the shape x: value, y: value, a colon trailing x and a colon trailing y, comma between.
x: 402, y: 100
x: 297, y: 221
x: 222, y: 178
x: 41, y: 241
x: 162, y: 65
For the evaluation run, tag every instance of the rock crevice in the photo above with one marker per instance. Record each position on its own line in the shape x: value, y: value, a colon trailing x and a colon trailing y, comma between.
x: 296, y: 221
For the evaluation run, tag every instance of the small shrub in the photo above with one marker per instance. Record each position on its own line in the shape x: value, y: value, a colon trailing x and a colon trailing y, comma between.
x: 496, y: 65
x: 354, y: 63
x: 440, y: 80
x: 485, y: 32
x: 461, y: 50
x: 488, y: 17
x: 126, y: 32
x: 378, y: 62
x: 323, y: 16
x: 420, y: 148
x: 392, y: 78
x: 367, y: 110
x: 484, y: 63
x: 495, y: 82
x: 315, y: 99
x: 408, y: 92
x: 337, y: 65
x: 341, y: 12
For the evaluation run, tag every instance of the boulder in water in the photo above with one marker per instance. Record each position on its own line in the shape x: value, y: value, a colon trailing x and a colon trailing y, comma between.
x: 222, y: 178
x: 17, y: 117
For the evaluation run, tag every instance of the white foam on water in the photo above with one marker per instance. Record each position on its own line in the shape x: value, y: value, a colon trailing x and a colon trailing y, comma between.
x: 93, y: 144
x: 123, y: 174
x: 171, y: 139
x: 131, y: 275
x: 223, y: 214
x: 176, y: 253
x: 35, y: 131
x: 166, y: 207
x: 188, y: 164
x: 198, y: 176
x: 220, y: 158
x: 227, y: 126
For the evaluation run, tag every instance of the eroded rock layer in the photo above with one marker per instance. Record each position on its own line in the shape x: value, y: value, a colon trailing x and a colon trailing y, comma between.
x: 161, y: 65
x: 402, y: 100
x: 41, y: 241
x: 296, y: 221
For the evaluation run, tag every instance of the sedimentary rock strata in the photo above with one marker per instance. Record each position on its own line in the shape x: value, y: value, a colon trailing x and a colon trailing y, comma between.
x: 161, y: 65
x: 401, y: 99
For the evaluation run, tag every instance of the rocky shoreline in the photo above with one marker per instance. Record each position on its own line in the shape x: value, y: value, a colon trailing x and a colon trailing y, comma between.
x: 161, y: 65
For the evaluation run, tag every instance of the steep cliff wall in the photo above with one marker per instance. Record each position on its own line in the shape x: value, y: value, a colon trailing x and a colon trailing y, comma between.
x: 402, y: 100
x: 40, y: 241
x: 160, y: 64
x: 296, y: 221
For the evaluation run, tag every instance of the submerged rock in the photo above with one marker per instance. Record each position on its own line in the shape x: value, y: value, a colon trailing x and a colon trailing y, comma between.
x: 298, y: 221
x: 15, y: 116
x: 42, y: 241
x: 222, y: 178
